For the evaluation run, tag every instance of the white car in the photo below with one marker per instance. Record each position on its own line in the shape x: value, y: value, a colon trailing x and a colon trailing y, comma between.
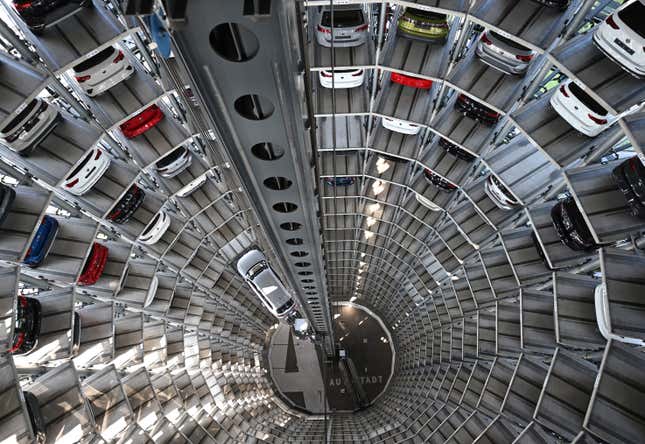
x: 350, y: 26
x: 621, y: 37
x: 28, y: 125
x: 400, y: 126
x: 342, y: 78
x: 102, y: 71
x: 430, y: 205
x: 87, y: 172
x: 603, y: 318
x: 191, y: 186
x: 580, y: 110
x: 499, y: 194
x: 152, y: 291
x: 155, y: 228
x: 174, y: 162
x: 253, y: 267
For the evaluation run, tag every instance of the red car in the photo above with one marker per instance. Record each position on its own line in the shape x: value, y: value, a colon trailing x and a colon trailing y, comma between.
x: 413, y: 82
x: 142, y: 122
x: 94, y: 265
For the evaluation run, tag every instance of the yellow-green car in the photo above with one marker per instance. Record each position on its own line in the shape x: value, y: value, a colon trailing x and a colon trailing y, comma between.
x: 430, y: 27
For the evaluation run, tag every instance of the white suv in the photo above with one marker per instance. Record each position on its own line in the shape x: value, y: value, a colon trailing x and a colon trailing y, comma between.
x: 580, y: 110
x: 102, y: 71
x: 253, y: 267
x: 621, y: 37
x: 350, y: 26
x: 342, y: 78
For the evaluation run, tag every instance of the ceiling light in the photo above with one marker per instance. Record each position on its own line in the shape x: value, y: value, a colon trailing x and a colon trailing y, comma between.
x: 373, y: 208
x: 352, y: 299
x: 370, y: 221
x: 360, y: 270
x: 362, y: 263
x: 378, y: 187
x: 382, y: 165
x: 368, y: 235
x: 430, y: 205
x: 454, y: 278
x: 363, y: 254
x: 337, y: 315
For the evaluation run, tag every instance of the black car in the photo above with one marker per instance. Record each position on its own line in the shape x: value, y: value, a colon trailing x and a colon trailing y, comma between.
x: 477, y: 111
x: 571, y: 227
x: 559, y: 4
x: 7, y: 196
x: 456, y: 150
x: 35, y: 417
x: 439, y: 181
x: 127, y: 205
x: 540, y: 250
x: 630, y: 178
x: 27, y: 326
x: 34, y: 12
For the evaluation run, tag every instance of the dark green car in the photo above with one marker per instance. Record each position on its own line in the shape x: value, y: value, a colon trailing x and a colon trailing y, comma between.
x: 427, y: 26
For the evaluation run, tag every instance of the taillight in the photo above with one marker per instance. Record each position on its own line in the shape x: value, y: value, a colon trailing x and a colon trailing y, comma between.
x: 22, y: 6
x: 119, y: 57
x: 633, y: 162
x: 81, y: 79
x: 324, y: 74
x: 98, y: 154
x: 486, y: 40
x: 524, y: 58
x: 358, y: 73
x: 610, y: 21
x: 325, y: 30
x: 28, y: 252
x: 72, y: 183
x: 563, y: 90
x: 115, y: 214
x: 361, y: 28
x: 597, y: 120
x: 16, y: 346
x: 23, y: 301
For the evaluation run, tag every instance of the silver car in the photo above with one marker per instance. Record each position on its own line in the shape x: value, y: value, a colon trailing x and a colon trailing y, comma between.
x: 503, y: 54
x: 26, y: 127
x: 253, y: 267
x: 350, y: 26
x: 174, y: 162
x: 102, y: 71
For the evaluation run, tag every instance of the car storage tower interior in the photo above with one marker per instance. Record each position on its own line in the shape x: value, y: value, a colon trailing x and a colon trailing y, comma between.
x: 499, y: 331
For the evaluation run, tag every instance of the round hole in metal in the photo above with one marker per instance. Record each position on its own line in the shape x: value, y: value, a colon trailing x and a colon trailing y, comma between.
x: 277, y: 183
x: 290, y: 226
x: 303, y: 264
x: 285, y: 207
x: 305, y: 273
x: 307, y: 281
x: 254, y: 107
x: 234, y: 42
x: 299, y: 253
x: 295, y: 241
x: 267, y: 151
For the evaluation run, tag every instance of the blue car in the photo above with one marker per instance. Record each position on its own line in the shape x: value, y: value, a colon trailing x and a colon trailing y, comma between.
x: 42, y: 242
x: 339, y: 181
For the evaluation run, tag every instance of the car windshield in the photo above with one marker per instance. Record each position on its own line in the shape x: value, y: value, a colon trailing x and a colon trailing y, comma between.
x: 173, y: 156
x: 633, y: 17
x: 343, y: 18
x: 502, y: 188
x: 508, y: 41
x: 587, y: 99
x: 20, y: 116
x: 426, y: 14
x: 95, y: 59
x: 81, y: 165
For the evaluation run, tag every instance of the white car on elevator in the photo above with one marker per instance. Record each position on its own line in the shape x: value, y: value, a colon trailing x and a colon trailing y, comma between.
x: 603, y: 318
x: 155, y: 229
x: 580, y: 110
x: 28, y: 125
x: 400, y: 126
x: 621, y: 37
x: 499, y: 194
x: 102, y: 71
x: 253, y: 267
x: 87, y: 172
x: 341, y: 78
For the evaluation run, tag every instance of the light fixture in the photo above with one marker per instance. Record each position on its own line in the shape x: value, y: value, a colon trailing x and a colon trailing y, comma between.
x: 382, y: 165
x: 368, y: 234
x: 373, y: 208
x: 454, y: 278
x: 337, y: 315
x: 370, y: 221
x: 360, y: 270
x: 378, y: 187
x: 352, y: 299
x: 362, y: 263
x: 363, y: 255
